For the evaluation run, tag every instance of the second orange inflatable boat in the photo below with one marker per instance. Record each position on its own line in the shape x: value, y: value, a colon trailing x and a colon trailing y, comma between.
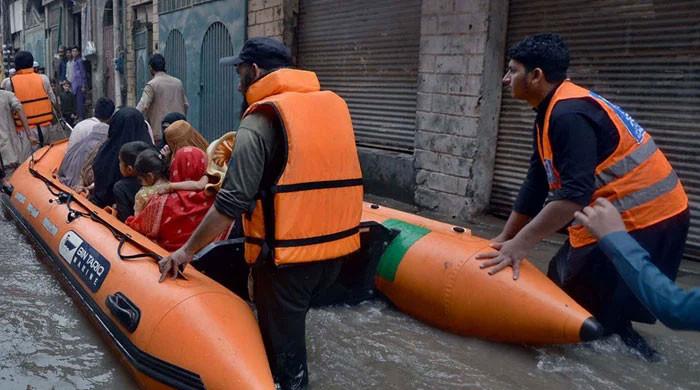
x: 429, y: 272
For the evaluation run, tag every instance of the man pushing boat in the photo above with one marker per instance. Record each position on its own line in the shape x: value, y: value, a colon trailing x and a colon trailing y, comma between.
x: 294, y: 175
x: 587, y: 148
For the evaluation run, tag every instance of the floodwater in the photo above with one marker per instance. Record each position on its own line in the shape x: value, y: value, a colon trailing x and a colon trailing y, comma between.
x: 47, y: 343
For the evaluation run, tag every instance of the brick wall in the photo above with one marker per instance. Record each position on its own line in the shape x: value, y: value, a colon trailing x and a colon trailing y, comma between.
x: 152, y: 16
x: 460, y: 52
x: 265, y: 18
x: 156, y: 31
x: 130, y: 57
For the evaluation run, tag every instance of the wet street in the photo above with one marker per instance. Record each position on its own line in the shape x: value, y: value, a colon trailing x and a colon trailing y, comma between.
x: 46, y: 342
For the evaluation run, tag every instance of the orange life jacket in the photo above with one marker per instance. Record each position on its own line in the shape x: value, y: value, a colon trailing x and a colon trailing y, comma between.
x: 637, y: 178
x: 313, y: 210
x: 29, y: 89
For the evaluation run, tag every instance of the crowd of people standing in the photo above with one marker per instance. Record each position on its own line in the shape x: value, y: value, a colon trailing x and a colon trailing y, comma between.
x: 72, y: 77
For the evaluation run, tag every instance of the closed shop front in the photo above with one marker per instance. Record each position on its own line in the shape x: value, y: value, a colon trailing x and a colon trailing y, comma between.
x: 641, y: 55
x: 366, y: 51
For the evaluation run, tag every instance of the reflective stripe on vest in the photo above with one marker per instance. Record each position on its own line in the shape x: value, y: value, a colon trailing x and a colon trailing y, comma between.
x: 636, y: 177
x: 627, y: 164
x: 313, y: 210
x: 29, y: 89
x: 647, y: 194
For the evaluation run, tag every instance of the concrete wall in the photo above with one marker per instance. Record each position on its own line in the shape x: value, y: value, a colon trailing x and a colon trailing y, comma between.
x: 274, y: 18
x: 460, y: 65
x: 265, y: 18
x: 388, y: 174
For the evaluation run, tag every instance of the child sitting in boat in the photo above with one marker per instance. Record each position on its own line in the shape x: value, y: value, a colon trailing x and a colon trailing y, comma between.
x: 125, y: 189
x: 152, y: 171
x: 169, y: 219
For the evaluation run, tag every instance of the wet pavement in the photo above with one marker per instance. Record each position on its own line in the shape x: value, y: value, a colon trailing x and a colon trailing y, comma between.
x: 46, y: 342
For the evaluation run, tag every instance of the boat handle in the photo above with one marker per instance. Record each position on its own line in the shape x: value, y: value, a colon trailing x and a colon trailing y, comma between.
x: 124, y: 310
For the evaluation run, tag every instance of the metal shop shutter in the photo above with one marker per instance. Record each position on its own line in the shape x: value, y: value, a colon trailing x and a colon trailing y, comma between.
x: 642, y: 55
x: 367, y: 52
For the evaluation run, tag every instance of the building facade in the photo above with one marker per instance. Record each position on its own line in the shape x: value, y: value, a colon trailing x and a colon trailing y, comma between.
x: 421, y: 78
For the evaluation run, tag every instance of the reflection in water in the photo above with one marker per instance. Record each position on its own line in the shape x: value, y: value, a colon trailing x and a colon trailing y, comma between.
x: 46, y: 342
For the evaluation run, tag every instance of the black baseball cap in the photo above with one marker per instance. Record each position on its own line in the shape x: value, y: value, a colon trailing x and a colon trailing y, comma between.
x: 267, y: 53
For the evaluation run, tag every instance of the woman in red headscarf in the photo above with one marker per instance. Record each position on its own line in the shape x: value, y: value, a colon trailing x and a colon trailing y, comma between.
x: 169, y: 219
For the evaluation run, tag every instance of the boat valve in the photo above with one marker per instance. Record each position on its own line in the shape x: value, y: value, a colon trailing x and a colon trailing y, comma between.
x: 63, y: 197
x: 72, y: 216
x: 7, y: 189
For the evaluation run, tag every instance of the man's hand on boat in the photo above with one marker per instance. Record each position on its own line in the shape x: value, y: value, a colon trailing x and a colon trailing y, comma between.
x: 173, y: 264
x: 213, y: 224
x: 507, y: 254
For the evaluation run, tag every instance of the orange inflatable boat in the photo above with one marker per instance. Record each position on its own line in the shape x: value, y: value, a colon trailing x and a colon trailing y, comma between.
x: 429, y: 272
x: 196, y: 333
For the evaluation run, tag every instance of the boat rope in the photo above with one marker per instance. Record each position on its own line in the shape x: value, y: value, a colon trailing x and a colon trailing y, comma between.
x: 63, y: 197
x: 66, y: 198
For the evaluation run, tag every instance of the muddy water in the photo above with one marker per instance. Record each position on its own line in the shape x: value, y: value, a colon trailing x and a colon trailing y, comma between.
x: 46, y: 342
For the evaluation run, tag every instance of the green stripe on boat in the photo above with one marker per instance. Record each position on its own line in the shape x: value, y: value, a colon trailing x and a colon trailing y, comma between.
x: 393, y: 255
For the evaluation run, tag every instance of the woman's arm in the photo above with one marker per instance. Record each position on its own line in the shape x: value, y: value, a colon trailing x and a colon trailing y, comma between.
x: 189, y: 185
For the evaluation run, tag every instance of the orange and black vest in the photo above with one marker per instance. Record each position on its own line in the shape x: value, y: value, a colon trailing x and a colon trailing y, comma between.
x: 313, y: 210
x: 29, y: 89
x: 636, y: 177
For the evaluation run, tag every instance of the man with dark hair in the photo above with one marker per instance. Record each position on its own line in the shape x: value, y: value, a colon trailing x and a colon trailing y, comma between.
x: 59, y: 65
x: 157, y: 63
x: 126, y: 188
x: 296, y: 252
x: 163, y: 94
x: 104, y: 108
x: 24, y: 60
x: 36, y: 95
x: 79, y: 81
x: 587, y: 148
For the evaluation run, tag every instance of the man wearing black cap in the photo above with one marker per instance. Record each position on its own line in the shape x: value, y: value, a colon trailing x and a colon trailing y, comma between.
x: 295, y: 176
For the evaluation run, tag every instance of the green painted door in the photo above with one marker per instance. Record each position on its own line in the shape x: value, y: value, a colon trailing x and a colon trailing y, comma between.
x: 217, y: 84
